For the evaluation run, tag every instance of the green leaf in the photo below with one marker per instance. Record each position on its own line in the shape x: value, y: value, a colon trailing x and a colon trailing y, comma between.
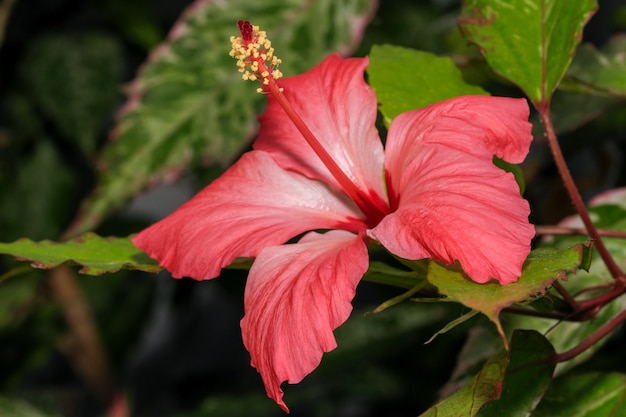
x: 75, y: 80
x: 481, y: 343
x: 34, y: 202
x: 189, y: 107
x: 586, y: 395
x: 527, y: 378
x: 451, y: 325
x: 509, y: 384
x: 383, y: 273
x: 97, y: 255
x: 610, y: 214
x: 531, y: 43
x: 485, y: 387
x: 19, y: 408
x: 542, y: 267
x: 17, y: 295
x: 605, y: 69
x: 516, y: 170
x: 404, y: 79
x: 399, y: 298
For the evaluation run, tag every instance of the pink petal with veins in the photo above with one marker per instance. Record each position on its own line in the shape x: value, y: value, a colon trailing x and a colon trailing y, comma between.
x: 296, y: 295
x: 452, y: 202
x: 482, y: 126
x: 254, y: 204
x: 340, y: 109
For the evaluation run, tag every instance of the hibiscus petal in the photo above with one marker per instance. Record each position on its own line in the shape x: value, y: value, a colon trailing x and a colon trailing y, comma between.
x: 296, y: 295
x: 457, y: 206
x: 340, y: 110
x: 254, y: 204
x: 482, y: 126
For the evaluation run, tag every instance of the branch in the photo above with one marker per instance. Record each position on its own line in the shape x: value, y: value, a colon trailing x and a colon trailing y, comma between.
x: 82, y: 344
x: 577, y: 200
x: 599, y: 334
x: 5, y: 12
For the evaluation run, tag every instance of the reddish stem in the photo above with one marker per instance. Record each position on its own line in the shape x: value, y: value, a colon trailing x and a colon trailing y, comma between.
x: 574, y: 305
x: 577, y: 200
x: 598, y: 302
x: 535, y: 313
x: 5, y: 12
x: 373, y: 212
x: 599, y: 334
x: 82, y: 344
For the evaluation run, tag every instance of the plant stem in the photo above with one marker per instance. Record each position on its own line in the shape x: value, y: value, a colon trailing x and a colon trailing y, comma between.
x: 5, y: 12
x: 574, y: 305
x: 15, y: 272
x: 577, y: 200
x: 598, y: 302
x: 599, y: 334
x: 82, y: 344
x: 374, y: 208
x: 535, y: 313
x: 398, y: 299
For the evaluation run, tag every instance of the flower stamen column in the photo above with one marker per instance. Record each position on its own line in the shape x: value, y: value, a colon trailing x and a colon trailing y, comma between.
x: 256, y: 60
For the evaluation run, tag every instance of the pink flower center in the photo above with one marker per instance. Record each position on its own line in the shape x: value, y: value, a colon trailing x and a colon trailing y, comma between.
x: 257, y: 62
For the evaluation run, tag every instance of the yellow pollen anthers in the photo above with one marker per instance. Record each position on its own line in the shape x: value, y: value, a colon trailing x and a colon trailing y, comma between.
x: 255, y: 55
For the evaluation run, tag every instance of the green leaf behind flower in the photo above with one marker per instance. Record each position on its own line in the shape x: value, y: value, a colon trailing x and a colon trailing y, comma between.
x: 97, y: 255
x: 189, y: 107
x: 17, y: 408
x: 508, y: 381
x: 586, y: 395
x: 485, y: 387
x: 610, y: 215
x: 528, y: 376
x: 406, y: 79
x: 603, y: 70
x: 75, y: 82
x: 530, y: 43
x: 542, y: 267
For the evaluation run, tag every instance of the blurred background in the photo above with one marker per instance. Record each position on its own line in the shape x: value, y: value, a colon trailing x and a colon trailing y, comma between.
x: 173, y: 347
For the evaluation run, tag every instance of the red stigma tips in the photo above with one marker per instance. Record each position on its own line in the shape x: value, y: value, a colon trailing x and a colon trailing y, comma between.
x: 246, y: 30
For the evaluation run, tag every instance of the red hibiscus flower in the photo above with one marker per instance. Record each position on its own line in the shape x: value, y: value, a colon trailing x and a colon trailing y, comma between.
x: 319, y: 170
